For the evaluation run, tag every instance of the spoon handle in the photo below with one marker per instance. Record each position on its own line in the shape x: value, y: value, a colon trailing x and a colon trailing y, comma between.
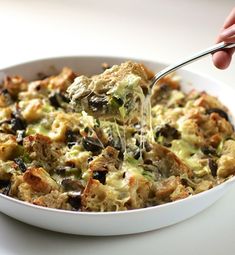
x: 189, y: 60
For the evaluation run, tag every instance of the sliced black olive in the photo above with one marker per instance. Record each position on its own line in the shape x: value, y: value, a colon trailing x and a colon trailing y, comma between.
x: 121, y: 155
x: 115, y: 103
x: 100, y: 176
x: 75, y: 200
x: 208, y: 150
x: 6, y: 190
x: 86, y: 130
x: 222, y: 113
x: 168, y: 131
x: 146, y: 91
x: 64, y: 98
x: 5, y: 186
x: 213, y: 167
x: 17, y: 124
x: 119, y: 101
x: 92, y: 144
x: 21, y: 164
x: 137, y: 154
x: 57, y: 98
x: 4, y: 183
x: 184, y: 182
x: 71, y: 144
x: 137, y: 142
x: 71, y: 138
x: 97, y: 102
x: 53, y: 98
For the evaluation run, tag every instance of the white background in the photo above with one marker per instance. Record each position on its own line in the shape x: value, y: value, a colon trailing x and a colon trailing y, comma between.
x: 158, y: 30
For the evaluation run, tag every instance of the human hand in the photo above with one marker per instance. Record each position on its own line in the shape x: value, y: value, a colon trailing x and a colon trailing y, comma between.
x: 222, y: 59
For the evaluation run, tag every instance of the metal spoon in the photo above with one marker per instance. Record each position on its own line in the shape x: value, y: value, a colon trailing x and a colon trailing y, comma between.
x: 188, y: 60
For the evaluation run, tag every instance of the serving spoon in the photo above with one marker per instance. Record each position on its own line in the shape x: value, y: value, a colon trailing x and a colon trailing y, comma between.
x: 188, y: 60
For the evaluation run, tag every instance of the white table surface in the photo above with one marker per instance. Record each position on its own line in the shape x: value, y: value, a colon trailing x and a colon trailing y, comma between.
x: 157, y: 30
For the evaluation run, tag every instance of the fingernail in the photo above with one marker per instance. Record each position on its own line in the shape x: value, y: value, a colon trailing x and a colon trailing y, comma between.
x: 227, y: 33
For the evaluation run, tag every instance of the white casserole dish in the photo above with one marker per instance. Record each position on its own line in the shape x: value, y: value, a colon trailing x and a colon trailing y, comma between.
x: 114, y: 223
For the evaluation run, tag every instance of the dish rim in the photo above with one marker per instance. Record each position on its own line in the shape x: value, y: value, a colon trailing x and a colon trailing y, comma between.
x: 87, y: 213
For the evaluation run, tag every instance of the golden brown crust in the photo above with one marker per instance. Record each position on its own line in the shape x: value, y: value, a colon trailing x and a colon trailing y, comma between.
x: 63, y: 80
x: 14, y: 85
x: 54, y: 199
x: 39, y: 180
x: 8, y: 146
x: 41, y: 150
x: 166, y: 187
x: 111, y: 76
x: 168, y: 162
x: 106, y: 161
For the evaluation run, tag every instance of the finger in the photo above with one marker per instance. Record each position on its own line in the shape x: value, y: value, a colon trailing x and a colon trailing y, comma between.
x: 230, y: 20
x: 222, y: 59
x: 228, y: 33
x: 230, y: 40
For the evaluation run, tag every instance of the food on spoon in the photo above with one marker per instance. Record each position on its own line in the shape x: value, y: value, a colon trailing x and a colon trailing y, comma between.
x: 118, y: 91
